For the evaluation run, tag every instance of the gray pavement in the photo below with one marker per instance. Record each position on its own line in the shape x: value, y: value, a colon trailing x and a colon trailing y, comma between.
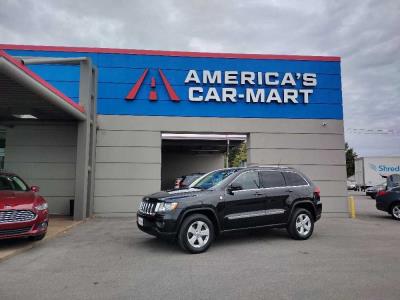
x: 112, y: 259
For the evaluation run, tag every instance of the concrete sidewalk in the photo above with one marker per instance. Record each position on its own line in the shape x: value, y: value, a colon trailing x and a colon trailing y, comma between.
x: 57, y: 225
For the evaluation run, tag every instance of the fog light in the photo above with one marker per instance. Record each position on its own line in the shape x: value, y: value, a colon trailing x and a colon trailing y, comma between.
x: 42, y: 226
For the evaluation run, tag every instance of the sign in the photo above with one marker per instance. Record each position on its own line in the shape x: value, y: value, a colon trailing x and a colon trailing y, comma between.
x: 255, y: 92
x: 383, y: 168
x: 157, y: 83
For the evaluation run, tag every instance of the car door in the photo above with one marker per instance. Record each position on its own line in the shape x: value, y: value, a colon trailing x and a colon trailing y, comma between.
x: 275, y: 193
x: 244, y: 207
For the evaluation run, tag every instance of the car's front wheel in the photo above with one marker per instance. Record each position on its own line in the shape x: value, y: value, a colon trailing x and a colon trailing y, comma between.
x: 301, y: 225
x: 395, y: 211
x: 196, y: 233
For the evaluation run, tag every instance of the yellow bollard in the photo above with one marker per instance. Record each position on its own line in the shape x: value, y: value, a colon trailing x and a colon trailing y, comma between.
x: 352, y: 207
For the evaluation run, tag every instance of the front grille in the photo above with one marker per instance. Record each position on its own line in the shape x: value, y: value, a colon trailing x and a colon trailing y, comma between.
x: 148, y: 208
x: 14, y: 216
x: 14, y: 231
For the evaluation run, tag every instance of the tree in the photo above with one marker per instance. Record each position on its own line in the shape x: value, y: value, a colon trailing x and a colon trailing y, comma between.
x: 238, y: 155
x: 350, y: 156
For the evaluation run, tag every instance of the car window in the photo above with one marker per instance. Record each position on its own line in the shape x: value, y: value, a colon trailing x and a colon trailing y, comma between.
x: 12, y: 183
x: 248, y: 180
x: 271, y: 179
x: 19, y: 185
x: 294, y: 179
x: 212, y: 179
x: 396, y: 189
x: 5, y: 183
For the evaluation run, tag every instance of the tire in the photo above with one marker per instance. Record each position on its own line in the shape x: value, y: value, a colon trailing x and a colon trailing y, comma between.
x: 301, y: 225
x: 38, y: 237
x: 196, y: 233
x: 395, y: 211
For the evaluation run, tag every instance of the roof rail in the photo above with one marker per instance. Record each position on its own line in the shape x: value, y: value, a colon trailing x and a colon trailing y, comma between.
x: 269, y: 166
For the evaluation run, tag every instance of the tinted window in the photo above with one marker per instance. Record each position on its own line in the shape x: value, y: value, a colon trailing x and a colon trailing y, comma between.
x: 293, y: 179
x: 248, y: 180
x: 271, y: 179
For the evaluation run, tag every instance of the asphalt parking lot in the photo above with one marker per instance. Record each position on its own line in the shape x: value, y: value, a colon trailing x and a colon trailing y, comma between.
x: 112, y: 259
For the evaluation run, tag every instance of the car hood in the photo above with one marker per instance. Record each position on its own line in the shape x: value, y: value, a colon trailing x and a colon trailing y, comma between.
x: 177, y: 194
x: 17, y: 200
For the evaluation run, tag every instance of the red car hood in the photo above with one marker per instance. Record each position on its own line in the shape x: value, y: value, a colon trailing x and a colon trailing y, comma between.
x: 17, y: 200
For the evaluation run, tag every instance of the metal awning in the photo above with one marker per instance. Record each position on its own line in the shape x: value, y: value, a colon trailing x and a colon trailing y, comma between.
x: 24, y: 93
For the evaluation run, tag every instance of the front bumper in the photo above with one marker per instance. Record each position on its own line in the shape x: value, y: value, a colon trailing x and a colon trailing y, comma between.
x: 159, y: 225
x: 382, y: 206
x: 35, y: 227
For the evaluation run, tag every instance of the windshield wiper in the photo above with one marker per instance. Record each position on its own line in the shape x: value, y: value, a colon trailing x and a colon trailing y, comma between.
x: 198, y: 187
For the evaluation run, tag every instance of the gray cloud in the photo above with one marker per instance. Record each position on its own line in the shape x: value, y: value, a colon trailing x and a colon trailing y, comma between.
x: 364, y: 33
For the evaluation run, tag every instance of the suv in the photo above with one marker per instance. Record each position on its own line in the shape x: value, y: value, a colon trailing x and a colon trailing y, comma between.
x: 233, y: 199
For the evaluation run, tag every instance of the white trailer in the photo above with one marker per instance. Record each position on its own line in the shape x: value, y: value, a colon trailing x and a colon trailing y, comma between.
x: 370, y: 171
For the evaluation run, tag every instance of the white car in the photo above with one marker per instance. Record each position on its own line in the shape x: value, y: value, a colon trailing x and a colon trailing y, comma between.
x: 351, y: 185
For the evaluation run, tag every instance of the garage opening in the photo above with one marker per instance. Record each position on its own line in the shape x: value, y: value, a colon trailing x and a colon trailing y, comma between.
x: 186, y: 156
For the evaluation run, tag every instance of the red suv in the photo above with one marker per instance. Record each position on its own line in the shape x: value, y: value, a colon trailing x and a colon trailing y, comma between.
x: 23, y: 213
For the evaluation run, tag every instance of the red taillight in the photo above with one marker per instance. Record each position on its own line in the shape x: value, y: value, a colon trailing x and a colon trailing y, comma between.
x: 381, y: 193
x: 317, y: 191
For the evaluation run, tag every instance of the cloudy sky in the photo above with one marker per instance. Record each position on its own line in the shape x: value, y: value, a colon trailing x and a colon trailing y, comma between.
x: 364, y: 33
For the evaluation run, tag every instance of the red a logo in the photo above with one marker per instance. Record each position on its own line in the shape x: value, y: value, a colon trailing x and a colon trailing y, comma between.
x: 153, y: 93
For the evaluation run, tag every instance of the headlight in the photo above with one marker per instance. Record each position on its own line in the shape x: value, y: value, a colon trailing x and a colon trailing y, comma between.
x: 163, y: 207
x: 42, y: 206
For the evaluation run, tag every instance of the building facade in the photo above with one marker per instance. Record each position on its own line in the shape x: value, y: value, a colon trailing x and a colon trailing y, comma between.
x: 287, y: 108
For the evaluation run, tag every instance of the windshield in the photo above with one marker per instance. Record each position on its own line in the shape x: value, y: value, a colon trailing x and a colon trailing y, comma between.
x: 213, y: 178
x: 12, y: 183
x: 189, y: 179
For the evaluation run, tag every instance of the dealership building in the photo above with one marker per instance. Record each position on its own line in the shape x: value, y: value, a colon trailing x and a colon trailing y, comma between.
x: 104, y: 127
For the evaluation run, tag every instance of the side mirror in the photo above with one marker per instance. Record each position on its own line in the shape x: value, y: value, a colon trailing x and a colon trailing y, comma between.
x: 35, y: 189
x: 234, y: 187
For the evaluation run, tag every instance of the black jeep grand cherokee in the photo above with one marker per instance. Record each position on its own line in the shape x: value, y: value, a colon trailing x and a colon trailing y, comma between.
x: 233, y: 199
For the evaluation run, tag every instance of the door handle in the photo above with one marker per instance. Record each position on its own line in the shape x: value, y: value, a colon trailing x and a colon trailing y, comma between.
x: 258, y: 194
x: 289, y: 190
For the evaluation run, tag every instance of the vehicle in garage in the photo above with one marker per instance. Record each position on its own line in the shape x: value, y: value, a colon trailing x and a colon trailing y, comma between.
x: 186, y: 180
x: 233, y: 199
x: 389, y: 201
x: 23, y: 212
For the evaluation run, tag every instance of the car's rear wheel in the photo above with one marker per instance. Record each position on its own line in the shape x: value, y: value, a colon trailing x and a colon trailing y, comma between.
x: 395, y: 211
x: 301, y: 225
x: 196, y: 233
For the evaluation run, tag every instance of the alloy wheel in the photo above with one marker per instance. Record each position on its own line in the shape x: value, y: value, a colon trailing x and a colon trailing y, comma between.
x: 396, y: 211
x: 303, y: 224
x: 198, y: 234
